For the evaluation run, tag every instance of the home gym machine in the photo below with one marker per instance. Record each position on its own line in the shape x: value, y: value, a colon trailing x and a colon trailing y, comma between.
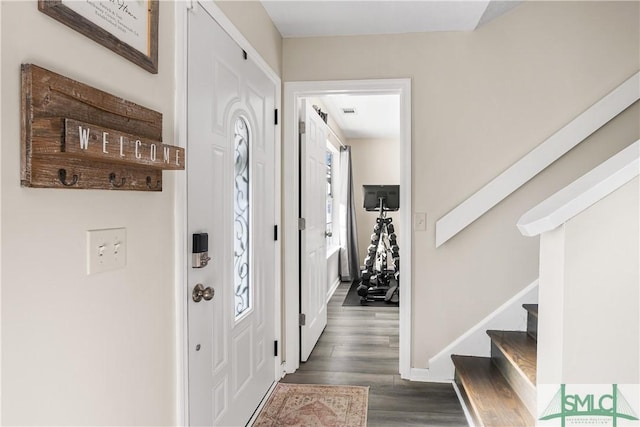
x: 380, y: 276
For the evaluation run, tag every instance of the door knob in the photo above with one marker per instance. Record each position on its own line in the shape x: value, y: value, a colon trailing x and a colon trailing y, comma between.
x: 200, y: 292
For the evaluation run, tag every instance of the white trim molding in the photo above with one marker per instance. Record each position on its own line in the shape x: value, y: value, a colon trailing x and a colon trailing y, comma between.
x: 583, y: 192
x: 180, y: 215
x: 538, y: 159
x: 332, y: 289
x: 293, y: 93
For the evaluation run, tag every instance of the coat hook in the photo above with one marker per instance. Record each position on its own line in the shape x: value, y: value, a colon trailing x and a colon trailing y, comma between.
x: 62, y: 176
x: 156, y: 187
x: 112, y: 180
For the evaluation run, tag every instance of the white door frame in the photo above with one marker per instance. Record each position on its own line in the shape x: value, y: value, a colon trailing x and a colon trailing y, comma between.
x: 182, y: 256
x: 293, y: 92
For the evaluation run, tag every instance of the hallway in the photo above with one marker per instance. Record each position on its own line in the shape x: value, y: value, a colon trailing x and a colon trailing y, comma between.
x: 360, y: 347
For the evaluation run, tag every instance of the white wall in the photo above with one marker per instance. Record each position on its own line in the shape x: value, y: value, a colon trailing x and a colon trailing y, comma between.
x: 589, y: 296
x: 480, y: 101
x: 376, y: 162
x: 78, y: 349
x: 602, y: 293
x: 551, y: 307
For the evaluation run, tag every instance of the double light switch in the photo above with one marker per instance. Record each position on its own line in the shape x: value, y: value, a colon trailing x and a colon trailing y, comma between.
x: 106, y: 250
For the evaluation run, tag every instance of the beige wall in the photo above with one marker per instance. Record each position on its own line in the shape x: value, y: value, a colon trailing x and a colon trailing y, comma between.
x: 78, y: 349
x: 481, y: 101
x: 377, y: 162
x: 254, y: 23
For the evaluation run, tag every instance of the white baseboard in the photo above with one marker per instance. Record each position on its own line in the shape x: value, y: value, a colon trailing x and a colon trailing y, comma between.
x: 419, y: 374
x: 476, y: 342
x: 333, y: 288
x: 424, y: 375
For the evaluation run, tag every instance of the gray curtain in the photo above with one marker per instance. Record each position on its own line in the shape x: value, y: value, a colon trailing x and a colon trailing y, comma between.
x: 349, y: 263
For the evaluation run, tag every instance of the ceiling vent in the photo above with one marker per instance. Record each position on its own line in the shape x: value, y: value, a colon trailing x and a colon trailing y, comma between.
x: 348, y: 110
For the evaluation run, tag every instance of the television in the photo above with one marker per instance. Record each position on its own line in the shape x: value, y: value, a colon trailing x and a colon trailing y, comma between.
x: 389, y: 195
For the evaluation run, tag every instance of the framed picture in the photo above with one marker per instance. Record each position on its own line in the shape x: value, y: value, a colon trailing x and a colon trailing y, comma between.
x: 129, y: 28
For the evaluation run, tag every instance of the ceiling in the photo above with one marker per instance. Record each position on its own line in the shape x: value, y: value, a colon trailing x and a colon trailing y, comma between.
x: 377, y: 116
x: 374, y: 116
x: 308, y: 18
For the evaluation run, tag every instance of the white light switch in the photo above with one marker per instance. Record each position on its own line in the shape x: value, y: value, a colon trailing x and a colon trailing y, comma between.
x: 420, y: 221
x: 106, y: 250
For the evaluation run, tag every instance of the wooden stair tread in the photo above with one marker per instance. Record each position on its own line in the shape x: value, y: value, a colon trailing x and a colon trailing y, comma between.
x: 491, y: 399
x: 520, y: 349
x: 531, y: 308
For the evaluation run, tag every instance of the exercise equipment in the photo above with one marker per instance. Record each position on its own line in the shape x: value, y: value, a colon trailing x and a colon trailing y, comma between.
x: 380, y: 276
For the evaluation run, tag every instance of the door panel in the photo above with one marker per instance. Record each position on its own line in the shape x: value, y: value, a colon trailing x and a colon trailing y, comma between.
x: 230, y: 196
x: 313, y: 149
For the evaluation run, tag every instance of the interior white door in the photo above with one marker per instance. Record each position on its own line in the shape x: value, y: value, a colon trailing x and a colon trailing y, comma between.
x: 313, y: 247
x: 230, y: 163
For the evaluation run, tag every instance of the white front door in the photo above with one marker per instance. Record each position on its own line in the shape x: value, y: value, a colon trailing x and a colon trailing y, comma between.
x: 313, y: 248
x: 230, y: 196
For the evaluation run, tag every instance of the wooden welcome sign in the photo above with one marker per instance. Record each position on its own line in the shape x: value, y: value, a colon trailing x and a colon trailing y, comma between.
x: 76, y: 136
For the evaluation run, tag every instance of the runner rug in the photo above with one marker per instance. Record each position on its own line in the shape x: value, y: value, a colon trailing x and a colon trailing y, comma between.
x: 315, y: 406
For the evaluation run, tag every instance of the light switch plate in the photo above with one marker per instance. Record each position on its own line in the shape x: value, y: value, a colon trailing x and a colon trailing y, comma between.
x: 420, y: 221
x: 106, y: 250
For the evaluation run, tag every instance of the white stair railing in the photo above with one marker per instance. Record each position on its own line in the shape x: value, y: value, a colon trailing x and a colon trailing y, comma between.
x: 582, y: 193
x: 538, y: 159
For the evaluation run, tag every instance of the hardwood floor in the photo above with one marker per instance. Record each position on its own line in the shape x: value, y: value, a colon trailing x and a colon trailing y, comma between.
x: 360, y: 347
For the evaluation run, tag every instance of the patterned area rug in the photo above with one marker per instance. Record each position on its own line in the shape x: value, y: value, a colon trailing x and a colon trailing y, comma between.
x: 315, y: 406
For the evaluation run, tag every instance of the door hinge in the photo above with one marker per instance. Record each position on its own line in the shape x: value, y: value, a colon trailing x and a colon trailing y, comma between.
x: 275, y: 232
x: 275, y: 348
x: 302, y: 224
x: 276, y: 117
x: 302, y: 319
x: 302, y: 127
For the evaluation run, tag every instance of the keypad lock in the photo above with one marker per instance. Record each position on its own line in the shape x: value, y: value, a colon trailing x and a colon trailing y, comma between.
x: 200, y: 250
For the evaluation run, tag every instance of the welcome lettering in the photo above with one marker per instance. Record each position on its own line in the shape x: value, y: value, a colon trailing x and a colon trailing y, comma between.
x: 112, y: 145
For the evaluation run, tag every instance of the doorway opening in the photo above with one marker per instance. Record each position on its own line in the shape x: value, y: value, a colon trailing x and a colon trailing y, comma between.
x: 329, y: 91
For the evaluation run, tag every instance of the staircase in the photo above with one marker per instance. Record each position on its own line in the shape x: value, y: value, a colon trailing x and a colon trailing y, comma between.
x: 501, y: 390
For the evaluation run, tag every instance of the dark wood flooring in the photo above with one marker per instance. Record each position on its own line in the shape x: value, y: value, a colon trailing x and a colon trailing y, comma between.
x: 360, y: 347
